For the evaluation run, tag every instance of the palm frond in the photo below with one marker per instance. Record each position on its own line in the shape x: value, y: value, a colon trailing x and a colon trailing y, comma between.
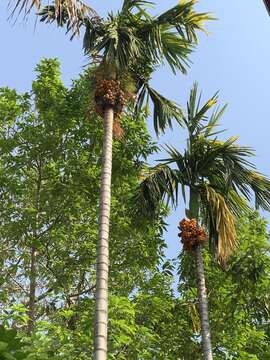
x: 24, y: 5
x: 196, y: 113
x: 223, y: 155
x: 210, y: 128
x: 237, y: 204
x: 157, y: 183
x: 70, y: 11
x: 128, y: 5
x: 222, y: 223
x: 260, y: 185
x: 185, y: 175
x: 175, y: 50
x: 164, y: 110
x: 49, y: 15
x: 117, y: 42
x: 184, y: 18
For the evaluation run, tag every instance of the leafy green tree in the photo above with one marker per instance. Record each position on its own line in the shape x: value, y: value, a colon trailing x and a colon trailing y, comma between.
x: 157, y: 323
x: 51, y: 142
x: 217, y: 174
x: 148, y: 318
x: 11, y: 347
x: 128, y: 47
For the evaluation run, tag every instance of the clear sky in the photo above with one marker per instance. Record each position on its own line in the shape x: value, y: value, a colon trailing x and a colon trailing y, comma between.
x: 234, y: 58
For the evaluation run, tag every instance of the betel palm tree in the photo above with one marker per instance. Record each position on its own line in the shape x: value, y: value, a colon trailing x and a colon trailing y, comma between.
x: 220, y: 178
x: 131, y: 44
x: 126, y: 49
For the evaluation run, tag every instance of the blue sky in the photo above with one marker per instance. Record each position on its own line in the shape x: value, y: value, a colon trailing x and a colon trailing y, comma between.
x: 234, y: 58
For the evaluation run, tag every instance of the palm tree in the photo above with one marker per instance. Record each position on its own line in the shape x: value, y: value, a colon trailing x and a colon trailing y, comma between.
x: 126, y: 49
x: 219, y: 177
x: 131, y: 44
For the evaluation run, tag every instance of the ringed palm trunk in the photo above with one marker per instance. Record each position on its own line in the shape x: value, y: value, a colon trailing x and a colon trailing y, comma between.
x: 203, y: 304
x: 201, y: 287
x: 102, y: 267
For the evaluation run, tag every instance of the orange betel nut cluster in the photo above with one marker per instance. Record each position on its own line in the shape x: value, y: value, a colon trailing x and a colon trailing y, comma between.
x: 109, y: 93
x: 191, y: 233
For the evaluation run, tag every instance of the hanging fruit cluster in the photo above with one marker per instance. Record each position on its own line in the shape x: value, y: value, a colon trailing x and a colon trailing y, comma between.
x: 191, y: 233
x: 110, y: 93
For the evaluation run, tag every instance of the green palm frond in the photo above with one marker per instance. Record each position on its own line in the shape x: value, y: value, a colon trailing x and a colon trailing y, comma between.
x: 116, y: 41
x: 237, y: 204
x: 228, y: 163
x: 260, y: 185
x: 94, y: 32
x: 164, y: 110
x: 174, y: 50
x: 157, y: 184
x: 168, y: 47
x: 128, y: 5
x: 182, y: 161
x: 197, y: 114
x: 186, y: 21
x: 213, y: 122
x: 221, y: 157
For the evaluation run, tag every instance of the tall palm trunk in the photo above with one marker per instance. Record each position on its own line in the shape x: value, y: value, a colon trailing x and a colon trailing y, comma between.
x: 201, y: 287
x: 202, y: 296
x: 102, y: 270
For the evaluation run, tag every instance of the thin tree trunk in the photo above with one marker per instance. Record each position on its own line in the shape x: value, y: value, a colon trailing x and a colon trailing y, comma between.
x: 202, y: 295
x: 33, y: 260
x: 32, y: 291
x: 102, y: 271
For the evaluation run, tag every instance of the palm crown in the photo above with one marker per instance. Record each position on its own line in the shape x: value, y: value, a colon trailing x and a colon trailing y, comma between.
x: 217, y: 173
x: 133, y: 43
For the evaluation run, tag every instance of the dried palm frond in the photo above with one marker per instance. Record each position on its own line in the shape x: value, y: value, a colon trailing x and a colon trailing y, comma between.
x: 24, y: 5
x: 72, y: 10
x: 195, y: 317
x: 118, y: 131
x: 223, y: 223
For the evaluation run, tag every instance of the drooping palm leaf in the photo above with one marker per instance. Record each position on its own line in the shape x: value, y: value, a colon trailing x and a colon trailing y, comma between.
x: 68, y: 11
x: 24, y: 5
x: 174, y: 50
x: 257, y: 184
x: 222, y: 223
x: 164, y: 110
x: 157, y: 183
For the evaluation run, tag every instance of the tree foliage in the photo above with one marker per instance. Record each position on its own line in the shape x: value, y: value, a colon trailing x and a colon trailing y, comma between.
x: 53, y: 131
